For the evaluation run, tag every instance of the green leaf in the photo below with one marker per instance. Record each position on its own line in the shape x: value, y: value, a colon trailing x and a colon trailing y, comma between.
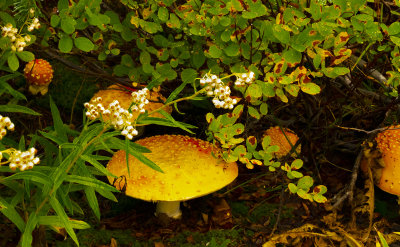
x: 145, y: 57
x: 84, y: 44
x: 292, y: 56
x: 27, y: 233
x: 54, y: 20
x: 264, y: 108
x: 26, y: 56
x: 232, y: 50
x: 5, y: 87
x: 253, y: 92
x: 174, y: 21
x: 214, y: 51
x: 297, y: 164
x: 68, y: 24
x: 395, y: 40
x: 188, y: 75
x: 310, y: 88
x: 293, y: 188
x: 176, y: 123
x: 305, y: 183
x: 55, y: 221
x: 7, y: 18
x: 58, y: 123
x: 253, y: 112
x: 163, y: 14
x: 96, y: 164
x: 198, y: 58
x: 92, y: 200
x: 13, y: 62
x: 9, y: 211
x: 19, y: 109
x: 63, y: 217
x: 281, y: 34
x: 31, y: 175
x: 394, y: 28
x: 151, y: 27
x: 65, y: 44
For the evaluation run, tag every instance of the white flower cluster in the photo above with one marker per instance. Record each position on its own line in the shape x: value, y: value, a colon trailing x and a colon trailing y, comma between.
x: 22, y: 160
x: 5, y: 122
x: 139, y: 99
x: 120, y: 118
x: 10, y: 31
x: 221, y: 93
x: 34, y: 25
x: 245, y: 78
x: 18, y: 41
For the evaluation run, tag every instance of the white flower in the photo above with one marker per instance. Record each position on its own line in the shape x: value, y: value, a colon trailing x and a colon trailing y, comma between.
x: 23, y: 160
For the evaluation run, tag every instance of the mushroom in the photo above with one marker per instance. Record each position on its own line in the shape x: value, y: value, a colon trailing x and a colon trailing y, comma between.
x: 116, y: 92
x: 385, y: 160
x: 38, y: 74
x: 279, y: 139
x: 191, y: 168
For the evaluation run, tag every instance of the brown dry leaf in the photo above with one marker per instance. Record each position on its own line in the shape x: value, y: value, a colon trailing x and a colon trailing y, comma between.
x: 321, y: 242
x: 366, y: 204
x: 159, y: 244
x: 305, y: 231
x: 113, y: 243
x: 222, y: 215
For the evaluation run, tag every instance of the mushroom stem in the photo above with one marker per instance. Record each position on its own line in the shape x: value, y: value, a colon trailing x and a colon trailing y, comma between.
x: 170, y: 208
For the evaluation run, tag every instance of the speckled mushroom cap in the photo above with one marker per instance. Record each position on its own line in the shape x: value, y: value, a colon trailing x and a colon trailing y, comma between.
x: 388, y: 143
x: 115, y: 92
x: 279, y: 139
x: 39, y: 74
x: 190, y: 169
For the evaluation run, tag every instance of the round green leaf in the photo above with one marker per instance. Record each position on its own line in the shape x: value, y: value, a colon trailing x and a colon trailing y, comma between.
x: 310, y: 88
x: 264, y: 109
x: 65, y: 44
x: 55, y: 20
x: 232, y: 50
x: 225, y: 21
x: 68, y: 24
x: 26, y: 56
x: 188, y: 75
x: 144, y: 57
x: 163, y: 14
x: 292, y: 56
x: 253, y: 92
x: 13, y: 62
x: 293, y: 188
x: 84, y: 44
x: 198, y: 58
x: 281, y: 34
x: 215, y: 52
x: 305, y: 183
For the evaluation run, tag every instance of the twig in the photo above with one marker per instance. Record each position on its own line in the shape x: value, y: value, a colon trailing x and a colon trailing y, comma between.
x: 348, y: 191
x: 278, y: 217
x: 98, y: 74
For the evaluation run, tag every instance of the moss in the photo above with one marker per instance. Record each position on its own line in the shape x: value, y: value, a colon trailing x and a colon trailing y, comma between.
x: 125, y: 238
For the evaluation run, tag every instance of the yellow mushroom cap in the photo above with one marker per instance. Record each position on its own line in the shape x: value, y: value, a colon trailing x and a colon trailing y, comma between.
x: 388, y: 143
x: 279, y: 139
x: 124, y: 97
x: 190, y: 168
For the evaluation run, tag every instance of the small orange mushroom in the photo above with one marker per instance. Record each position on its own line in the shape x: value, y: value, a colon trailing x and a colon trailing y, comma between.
x: 116, y: 92
x: 385, y: 161
x: 38, y: 74
x: 279, y: 139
